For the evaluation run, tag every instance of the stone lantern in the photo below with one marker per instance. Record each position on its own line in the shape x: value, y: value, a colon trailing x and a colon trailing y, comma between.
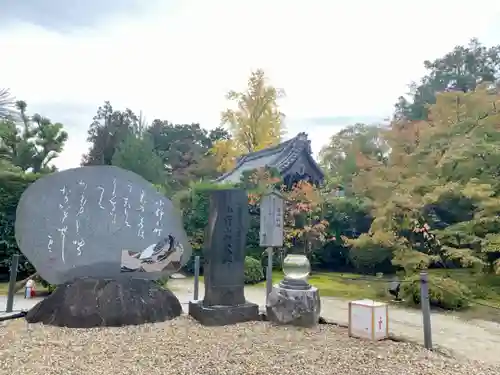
x: 294, y: 301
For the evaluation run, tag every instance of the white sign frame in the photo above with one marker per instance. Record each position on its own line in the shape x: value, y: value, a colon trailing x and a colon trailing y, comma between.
x: 271, y: 220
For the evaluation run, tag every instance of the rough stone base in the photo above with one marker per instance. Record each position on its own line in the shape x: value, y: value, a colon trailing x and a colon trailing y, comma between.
x: 91, y: 302
x: 223, y: 315
x: 295, y: 307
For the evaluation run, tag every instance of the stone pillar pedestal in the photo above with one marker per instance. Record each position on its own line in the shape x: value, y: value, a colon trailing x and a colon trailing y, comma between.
x: 223, y: 315
x: 298, y: 307
x: 224, y: 270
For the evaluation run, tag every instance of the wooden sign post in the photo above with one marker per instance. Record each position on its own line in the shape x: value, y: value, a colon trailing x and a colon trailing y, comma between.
x: 271, y: 230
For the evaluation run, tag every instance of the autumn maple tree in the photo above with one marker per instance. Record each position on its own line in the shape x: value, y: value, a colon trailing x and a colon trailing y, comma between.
x: 435, y: 195
x: 304, y: 226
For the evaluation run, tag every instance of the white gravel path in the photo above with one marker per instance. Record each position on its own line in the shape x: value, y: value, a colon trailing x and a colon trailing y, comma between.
x: 182, y: 346
x: 475, y: 339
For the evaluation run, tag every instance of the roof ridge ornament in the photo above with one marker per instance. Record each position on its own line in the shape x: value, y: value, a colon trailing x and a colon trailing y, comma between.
x: 302, y: 136
x: 302, y: 139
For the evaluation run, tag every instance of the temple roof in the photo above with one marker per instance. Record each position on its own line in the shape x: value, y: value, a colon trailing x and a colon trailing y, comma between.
x: 281, y: 157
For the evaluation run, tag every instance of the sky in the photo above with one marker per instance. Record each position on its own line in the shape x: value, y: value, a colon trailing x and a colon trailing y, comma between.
x: 338, y: 61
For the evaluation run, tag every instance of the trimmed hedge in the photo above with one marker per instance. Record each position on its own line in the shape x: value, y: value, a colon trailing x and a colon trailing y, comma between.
x: 444, y: 293
x: 12, y: 186
x: 253, y: 271
x: 194, y: 205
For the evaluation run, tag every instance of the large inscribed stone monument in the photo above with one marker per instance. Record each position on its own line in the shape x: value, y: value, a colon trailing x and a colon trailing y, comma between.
x: 99, y: 221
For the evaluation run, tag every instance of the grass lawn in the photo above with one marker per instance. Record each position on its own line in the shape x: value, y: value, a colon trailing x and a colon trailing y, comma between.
x: 340, y: 285
x: 353, y: 287
x: 4, y: 288
x: 333, y: 284
x: 486, y: 288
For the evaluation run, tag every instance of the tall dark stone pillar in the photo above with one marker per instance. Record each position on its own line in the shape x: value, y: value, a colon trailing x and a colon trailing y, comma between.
x: 224, y: 253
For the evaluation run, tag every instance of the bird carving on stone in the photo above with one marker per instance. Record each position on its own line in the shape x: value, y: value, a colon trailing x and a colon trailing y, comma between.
x: 167, y: 249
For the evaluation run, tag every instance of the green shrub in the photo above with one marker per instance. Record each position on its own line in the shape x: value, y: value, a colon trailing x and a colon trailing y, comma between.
x: 50, y: 287
x: 253, y: 271
x: 12, y: 185
x: 445, y: 293
x: 163, y: 282
x: 369, y: 256
x: 189, y: 266
x: 194, y: 204
x: 256, y: 253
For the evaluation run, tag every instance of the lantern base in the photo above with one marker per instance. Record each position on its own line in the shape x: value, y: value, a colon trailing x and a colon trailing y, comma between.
x: 294, y: 307
x: 294, y: 284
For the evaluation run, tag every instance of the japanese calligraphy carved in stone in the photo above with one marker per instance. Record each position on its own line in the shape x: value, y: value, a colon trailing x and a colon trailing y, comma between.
x: 99, y: 221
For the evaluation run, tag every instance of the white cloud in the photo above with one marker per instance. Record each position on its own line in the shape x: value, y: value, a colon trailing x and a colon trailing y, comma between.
x: 333, y: 58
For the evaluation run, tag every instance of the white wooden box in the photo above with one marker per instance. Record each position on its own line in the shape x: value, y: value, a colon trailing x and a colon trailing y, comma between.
x: 368, y: 320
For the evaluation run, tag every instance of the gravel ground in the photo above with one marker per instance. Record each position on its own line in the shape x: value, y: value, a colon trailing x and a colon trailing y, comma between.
x: 182, y: 346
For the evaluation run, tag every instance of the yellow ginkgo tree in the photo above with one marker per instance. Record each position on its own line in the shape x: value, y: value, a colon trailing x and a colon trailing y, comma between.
x: 254, y: 123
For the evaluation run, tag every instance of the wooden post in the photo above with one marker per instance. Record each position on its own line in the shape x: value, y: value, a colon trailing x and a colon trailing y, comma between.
x: 196, y: 277
x: 349, y: 319
x: 271, y: 230
x: 269, y: 273
x: 426, y: 309
x: 12, y: 283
